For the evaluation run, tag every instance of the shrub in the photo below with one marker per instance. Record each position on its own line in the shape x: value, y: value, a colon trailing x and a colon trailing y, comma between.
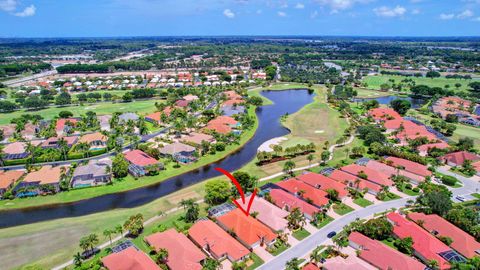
x: 408, y: 186
x: 449, y: 180
x: 415, y: 189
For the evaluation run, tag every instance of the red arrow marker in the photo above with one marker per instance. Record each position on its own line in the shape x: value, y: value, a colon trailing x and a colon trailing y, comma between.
x: 240, y: 190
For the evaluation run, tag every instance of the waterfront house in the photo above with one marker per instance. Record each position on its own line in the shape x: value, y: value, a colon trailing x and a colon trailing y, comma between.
x: 45, y: 180
x: 178, y: 151
x: 141, y: 163
x: 96, y: 172
x: 8, y: 179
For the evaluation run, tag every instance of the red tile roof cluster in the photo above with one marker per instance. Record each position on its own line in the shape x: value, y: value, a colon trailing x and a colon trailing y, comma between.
x: 458, y: 158
x: 425, y: 244
x: 232, y: 95
x: 182, y: 253
x: 246, y: 228
x: 288, y: 201
x: 232, y: 102
x: 324, y: 183
x: 451, y: 105
x: 351, y: 180
x: 267, y: 213
x: 464, y: 243
x: 129, y: 259
x: 215, y: 240
x: 392, y: 171
x: 382, y: 256
x: 372, y: 175
x: 409, y: 166
x: 318, y: 197
x: 384, y: 114
x: 140, y: 158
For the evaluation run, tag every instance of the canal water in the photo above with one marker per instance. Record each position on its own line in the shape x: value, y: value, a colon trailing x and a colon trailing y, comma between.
x: 287, y: 101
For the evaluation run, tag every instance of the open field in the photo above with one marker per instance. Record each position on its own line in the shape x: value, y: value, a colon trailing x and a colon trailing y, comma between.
x: 141, y: 107
x: 374, y: 82
x: 368, y: 93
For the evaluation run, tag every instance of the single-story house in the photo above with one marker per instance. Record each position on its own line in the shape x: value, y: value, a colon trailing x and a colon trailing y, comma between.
x: 392, y: 171
x: 64, y: 125
x: 287, y: 201
x: 217, y: 242
x: 181, y: 103
x: 249, y: 231
x: 182, y: 253
x: 16, y: 150
x: 409, y: 166
x: 155, y: 118
x: 223, y: 125
x: 308, y: 193
x: 231, y: 110
x: 96, y: 172
x: 179, y: 151
x: 96, y: 140
x: 324, y: 183
x: 464, y: 243
x: 382, y: 114
x: 8, y: 179
x: 267, y: 213
x: 355, y: 182
x: 458, y: 158
x: 104, y: 121
x: 8, y: 131
x: 423, y: 149
x: 125, y: 117
x: 190, y: 97
x: 373, y: 176
x: 128, y: 259
x: 141, y: 163
x: 35, y: 180
x: 380, y: 255
x: 196, y: 139
x: 30, y: 131
x: 53, y: 142
x: 426, y: 246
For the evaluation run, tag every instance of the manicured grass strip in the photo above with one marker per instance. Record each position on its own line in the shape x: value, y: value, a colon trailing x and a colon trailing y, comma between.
x: 476, y: 195
x: 342, y: 209
x: 362, y: 202
x: 390, y: 197
x: 279, y: 249
x: 322, y: 224
x: 389, y: 242
x: 300, y: 234
x: 257, y: 261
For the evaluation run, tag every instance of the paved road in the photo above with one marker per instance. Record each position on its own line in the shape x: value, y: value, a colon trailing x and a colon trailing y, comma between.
x: 470, y: 185
x: 19, y: 81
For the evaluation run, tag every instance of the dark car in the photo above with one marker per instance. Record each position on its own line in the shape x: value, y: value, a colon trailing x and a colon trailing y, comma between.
x: 331, y: 234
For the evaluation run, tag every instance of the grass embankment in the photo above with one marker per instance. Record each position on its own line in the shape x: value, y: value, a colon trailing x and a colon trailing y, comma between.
x: 128, y: 183
x: 140, y: 107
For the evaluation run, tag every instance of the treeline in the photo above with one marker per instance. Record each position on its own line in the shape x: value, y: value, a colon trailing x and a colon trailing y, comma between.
x: 105, y: 67
x: 292, y: 74
x: 18, y: 68
x: 398, y: 73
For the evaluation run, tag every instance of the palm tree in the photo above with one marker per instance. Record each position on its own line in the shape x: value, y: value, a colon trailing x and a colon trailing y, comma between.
x: 92, y: 240
x: 1, y: 155
x: 119, y: 229
x: 293, y: 264
x: 83, y: 148
x: 77, y: 259
x: 289, y: 166
x: 108, y: 234
x: 296, y: 220
x: 310, y: 158
x: 162, y: 256
x: 316, y: 255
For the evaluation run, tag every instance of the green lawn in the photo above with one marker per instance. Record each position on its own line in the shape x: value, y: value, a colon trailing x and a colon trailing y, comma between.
x: 342, y: 209
x: 476, y: 195
x: 362, y: 202
x: 391, y: 196
x: 407, y: 191
x: 368, y: 93
x: 389, y: 243
x: 279, y: 249
x: 322, y: 224
x: 140, y: 107
x: 374, y: 82
x: 257, y: 261
x: 128, y: 183
x: 300, y: 234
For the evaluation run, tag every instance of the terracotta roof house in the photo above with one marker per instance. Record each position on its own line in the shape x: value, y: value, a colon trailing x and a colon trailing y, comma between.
x: 423, y: 149
x: 316, y: 196
x: 287, y: 201
x: 355, y: 182
x: 47, y: 175
x: 95, y: 140
x: 155, y: 117
x: 219, y: 128
x: 181, y: 103
x: 29, y: 131
x: 232, y: 102
x: 310, y: 266
x: 197, y: 138
x: 8, y: 179
x: 182, y: 253
x: 351, y: 262
x: 179, y: 151
x: 249, y: 231
x: 95, y: 173
x: 232, y: 95
x: 383, y: 114
x: 392, y: 171
x: 458, y: 158
x: 426, y: 246
x: 15, y: 150
x: 129, y: 259
x: 225, y: 120
x: 372, y: 175
x: 268, y: 214
x: 190, y: 97
x: 324, y: 183
x: 409, y: 166
x: 464, y: 243
x: 214, y: 240
x: 141, y: 163
x: 382, y: 256
x: 8, y: 131
x: 63, y: 125
x: 53, y: 142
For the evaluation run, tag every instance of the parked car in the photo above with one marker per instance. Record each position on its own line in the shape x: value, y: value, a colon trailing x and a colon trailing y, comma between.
x: 460, y: 198
x: 331, y: 234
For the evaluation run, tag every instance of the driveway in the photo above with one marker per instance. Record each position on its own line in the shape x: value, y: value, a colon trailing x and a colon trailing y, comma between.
x: 263, y: 254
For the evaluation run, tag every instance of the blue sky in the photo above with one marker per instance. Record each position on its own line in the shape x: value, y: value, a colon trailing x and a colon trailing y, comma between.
x: 96, y: 18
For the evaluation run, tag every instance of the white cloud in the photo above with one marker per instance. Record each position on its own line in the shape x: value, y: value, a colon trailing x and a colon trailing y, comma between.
x: 314, y: 14
x: 416, y: 11
x: 337, y: 5
x: 444, y: 16
x: 259, y: 11
x: 281, y: 14
x: 465, y: 14
x: 477, y: 19
x: 390, y: 12
x: 27, y: 12
x: 299, y: 6
x: 8, y: 5
x: 228, y: 13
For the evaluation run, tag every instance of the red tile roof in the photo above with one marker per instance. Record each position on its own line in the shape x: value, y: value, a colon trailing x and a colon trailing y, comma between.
x: 60, y: 125
x: 464, y: 243
x: 318, y: 197
x: 248, y: 229
x: 310, y: 266
x: 382, y: 256
x: 268, y: 214
x: 129, y: 259
x: 93, y: 137
x: 410, y: 166
x: 181, y: 103
x: 224, y: 120
x: 324, y: 183
x: 284, y: 199
x: 219, y: 128
x: 232, y: 102
x: 459, y: 158
x: 7, y: 178
x: 392, y: 171
x: 214, y: 239
x: 45, y: 175
x: 426, y: 147
x: 383, y: 113
x: 140, y: 158
x: 350, y: 179
x: 156, y: 116
x: 372, y: 175
x: 182, y: 253
x: 424, y: 243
